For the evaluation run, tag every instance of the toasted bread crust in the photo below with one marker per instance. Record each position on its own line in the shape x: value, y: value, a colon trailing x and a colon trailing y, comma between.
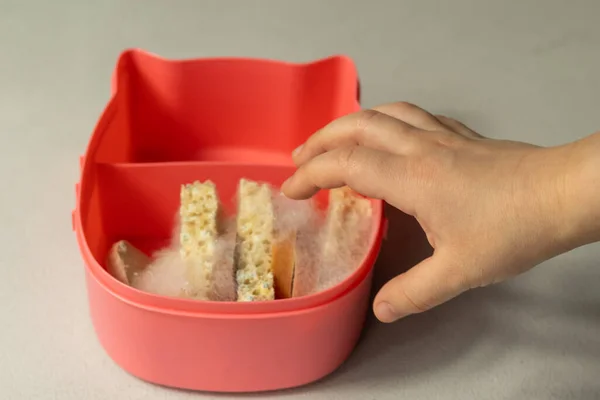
x: 255, y: 238
x: 124, y: 260
x: 284, y: 262
x: 199, y: 229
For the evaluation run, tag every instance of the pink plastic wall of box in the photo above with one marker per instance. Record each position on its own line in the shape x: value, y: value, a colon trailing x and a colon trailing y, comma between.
x: 172, y: 121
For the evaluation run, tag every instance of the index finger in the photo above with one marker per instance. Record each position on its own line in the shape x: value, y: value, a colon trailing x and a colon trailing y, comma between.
x: 370, y: 172
x: 369, y: 128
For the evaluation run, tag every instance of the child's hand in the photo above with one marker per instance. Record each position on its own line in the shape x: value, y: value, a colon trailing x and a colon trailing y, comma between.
x: 491, y: 209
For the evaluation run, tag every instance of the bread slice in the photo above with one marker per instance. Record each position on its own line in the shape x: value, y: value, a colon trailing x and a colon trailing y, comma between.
x: 254, y: 242
x: 223, y: 277
x: 348, y: 221
x: 199, y: 212
x: 124, y: 261
x: 346, y: 217
x: 307, y: 265
x: 284, y: 263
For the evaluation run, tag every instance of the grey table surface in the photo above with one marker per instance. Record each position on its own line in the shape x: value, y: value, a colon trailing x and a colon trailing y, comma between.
x: 525, y: 70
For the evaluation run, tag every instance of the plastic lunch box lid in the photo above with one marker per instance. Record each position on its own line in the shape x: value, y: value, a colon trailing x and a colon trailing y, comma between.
x: 173, y: 305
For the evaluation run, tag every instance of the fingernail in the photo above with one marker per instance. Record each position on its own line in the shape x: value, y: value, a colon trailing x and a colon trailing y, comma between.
x: 386, y: 313
x: 282, y: 187
x: 297, y: 150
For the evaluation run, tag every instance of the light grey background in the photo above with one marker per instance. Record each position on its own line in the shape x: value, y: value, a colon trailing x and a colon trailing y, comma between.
x: 525, y: 70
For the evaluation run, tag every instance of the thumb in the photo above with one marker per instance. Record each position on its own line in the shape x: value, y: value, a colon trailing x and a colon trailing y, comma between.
x: 433, y: 281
